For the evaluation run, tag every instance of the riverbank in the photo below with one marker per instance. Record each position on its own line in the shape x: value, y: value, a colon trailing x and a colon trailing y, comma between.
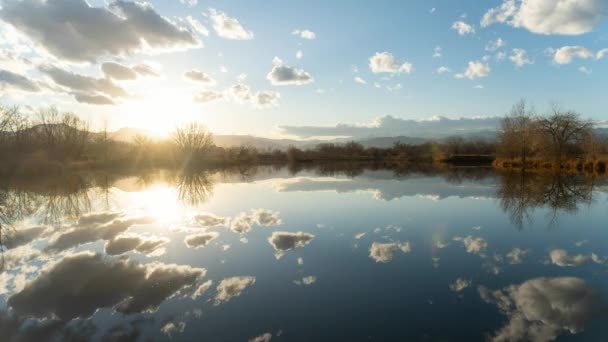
x: 597, y: 166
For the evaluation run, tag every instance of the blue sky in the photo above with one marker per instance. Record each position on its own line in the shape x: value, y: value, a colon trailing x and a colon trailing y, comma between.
x: 346, y: 36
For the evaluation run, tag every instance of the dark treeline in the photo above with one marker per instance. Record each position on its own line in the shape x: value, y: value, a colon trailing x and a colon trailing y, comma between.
x: 558, y: 140
x: 50, y: 141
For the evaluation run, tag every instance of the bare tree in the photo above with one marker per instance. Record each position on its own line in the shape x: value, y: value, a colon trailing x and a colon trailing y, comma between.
x: 566, y: 133
x: 517, y: 132
x: 193, y: 138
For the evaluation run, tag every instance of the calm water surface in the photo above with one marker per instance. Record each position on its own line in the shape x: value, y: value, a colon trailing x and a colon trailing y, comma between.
x: 314, y: 255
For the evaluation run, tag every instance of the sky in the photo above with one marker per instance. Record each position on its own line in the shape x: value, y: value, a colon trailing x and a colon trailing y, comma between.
x: 280, y: 68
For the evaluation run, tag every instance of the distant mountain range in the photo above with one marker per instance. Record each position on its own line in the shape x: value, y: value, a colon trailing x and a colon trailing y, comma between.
x: 221, y: 140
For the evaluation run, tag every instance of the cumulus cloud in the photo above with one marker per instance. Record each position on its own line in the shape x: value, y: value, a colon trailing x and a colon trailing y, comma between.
x: 75, y: 31
x: 171, y: 328
x: 83, y: 84
x: 437, y: 52
x: 384, y: 252
x: 463, y: 28
x: 11, y: 80
x: 86, y: 233
x: 285, y: 241
x: 266, y: 98
x: 210, y: 220
x: 266, y: 218
x: 285, y: 75
x: 474, y: 245
x: 306, y: 34
x: 80, y: 284
x: 584, y: 70
x: 207, y: 96
x: 228, y: 27
x: 262, y: 338
x: 200, y: 240
x: 460, y: 284
x: 308, y: 280
x: 516, y: 255
x: 519, y: 58
x: 93, y: 99
x: 129, y: 242
x: 387, y: 126
x: 443, y: 70
x: 118, y: 71
x: 541, y: 309
x: 475, y: 69
x: 561, y: 258
x: 201, y: 289
x: 145, y: 70
x: 359, y: 80
x: 494, y: 45
x: 566, y: 54
x: 232, y: 287
x: 20, y: 237
x: 199, y: 77
x: 384, y: 62
x: 564, y: 17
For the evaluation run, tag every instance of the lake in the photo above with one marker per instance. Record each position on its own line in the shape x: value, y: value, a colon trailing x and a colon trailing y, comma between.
x: 314, y: 254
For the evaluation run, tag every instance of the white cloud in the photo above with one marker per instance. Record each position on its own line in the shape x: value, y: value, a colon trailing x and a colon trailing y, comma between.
x: 437, y: 52
x: 566, y: 54
x: 262, y: 338
x: 199, y: 77
x: 561, y: 258
x: 306, y: 281
x: 386, y: 126
x: 189, y: 3
x: 494, y: 45
x: 266, y: 98
x: 473, y: 245
x: 519, y: 58
x: 306, y: 34
x: 200, y: 240
x: 384, y: 62
x: 285, y: 241
x: 299, y: 54
x: 516, y: 255
x: 566, y: 17
x: 475, y: 69
x: 360, y: 80
x: 584, y: 70
x: 232, y: 287
x: 463, y: 28
x: 460, y: 284
x: 541, y: 309
x: 284, y: 75
x: 197, y: 26
x: 443, y: 70
x: 15, y: 81
x: 75, y: 31
x: 208, y: 96
x: 384, y: 252
x: 228, y: 27
x: 86, y: 89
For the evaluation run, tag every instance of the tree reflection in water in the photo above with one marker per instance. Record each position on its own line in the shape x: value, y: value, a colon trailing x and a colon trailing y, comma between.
x: 194, y: 188
x: 521, y: 193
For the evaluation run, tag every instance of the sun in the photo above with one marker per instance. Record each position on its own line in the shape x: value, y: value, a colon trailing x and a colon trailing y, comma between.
x: 161, y: 110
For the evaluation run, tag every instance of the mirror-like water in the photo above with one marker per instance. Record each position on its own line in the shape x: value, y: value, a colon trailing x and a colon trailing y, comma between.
x: 305, y: 255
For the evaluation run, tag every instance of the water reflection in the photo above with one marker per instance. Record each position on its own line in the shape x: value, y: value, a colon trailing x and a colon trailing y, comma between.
x: 173, y: 255
x: 521, y: 193
x: 541, y: 309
